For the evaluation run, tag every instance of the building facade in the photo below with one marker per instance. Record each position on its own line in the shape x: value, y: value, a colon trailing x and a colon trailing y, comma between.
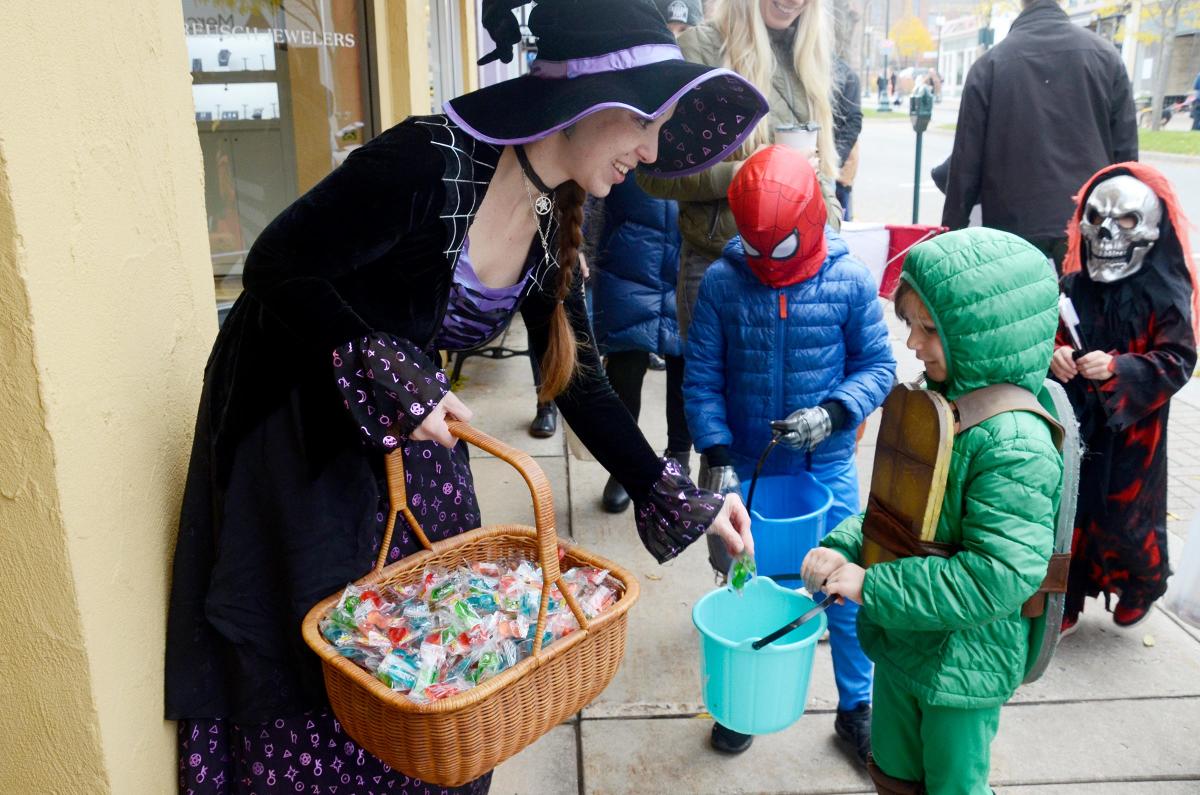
x: 144, y: 147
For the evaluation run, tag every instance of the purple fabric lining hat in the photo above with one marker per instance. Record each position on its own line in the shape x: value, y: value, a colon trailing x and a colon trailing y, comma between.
x: 596, y: 54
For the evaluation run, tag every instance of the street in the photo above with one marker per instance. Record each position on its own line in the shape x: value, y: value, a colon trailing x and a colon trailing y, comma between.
x: 883, y: 190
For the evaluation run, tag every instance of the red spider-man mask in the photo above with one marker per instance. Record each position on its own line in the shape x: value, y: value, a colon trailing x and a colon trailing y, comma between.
x: 780, y: 213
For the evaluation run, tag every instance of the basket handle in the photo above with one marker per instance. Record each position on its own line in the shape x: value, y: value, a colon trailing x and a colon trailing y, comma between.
x: 543, y: 515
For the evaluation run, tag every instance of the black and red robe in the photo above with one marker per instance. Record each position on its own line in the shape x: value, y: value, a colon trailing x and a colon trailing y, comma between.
x: 1146, y: 321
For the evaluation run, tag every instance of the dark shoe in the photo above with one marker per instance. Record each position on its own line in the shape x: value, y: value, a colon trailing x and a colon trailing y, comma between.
x: 545, y: 422
x: 854, y: 726
x: 657, y: 363
x: 1128, y: 616
x: 887, y: 785
x: 615, y: 499
x: 683, y: 459
x: 727, y: 741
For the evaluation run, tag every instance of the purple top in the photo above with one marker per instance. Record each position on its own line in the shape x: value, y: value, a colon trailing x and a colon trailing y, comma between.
x: 475, y: 312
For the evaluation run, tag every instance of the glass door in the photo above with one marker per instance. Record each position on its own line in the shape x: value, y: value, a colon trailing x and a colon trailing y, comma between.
x: 281, y: 96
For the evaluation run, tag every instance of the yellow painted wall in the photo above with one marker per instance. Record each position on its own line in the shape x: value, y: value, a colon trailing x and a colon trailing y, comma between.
x: 470, y: 44
x: 106, y: 317
x: 310, y: 117
x: 402, y: 53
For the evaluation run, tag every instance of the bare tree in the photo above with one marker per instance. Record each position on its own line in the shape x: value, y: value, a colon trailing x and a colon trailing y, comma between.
x: 845, y: 20
x: 1165, y: 16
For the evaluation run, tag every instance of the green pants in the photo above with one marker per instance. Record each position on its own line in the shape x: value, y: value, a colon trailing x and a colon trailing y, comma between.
x: 947, y: 748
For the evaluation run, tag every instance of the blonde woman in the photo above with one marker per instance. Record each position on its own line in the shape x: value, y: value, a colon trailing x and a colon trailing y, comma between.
x: 783, y: 47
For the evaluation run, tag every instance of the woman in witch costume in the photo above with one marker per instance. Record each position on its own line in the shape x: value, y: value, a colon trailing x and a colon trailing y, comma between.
x: 1131, y: 279
x: 431, y: 236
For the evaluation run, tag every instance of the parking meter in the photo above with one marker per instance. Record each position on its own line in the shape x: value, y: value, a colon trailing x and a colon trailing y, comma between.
x: 920, y: 109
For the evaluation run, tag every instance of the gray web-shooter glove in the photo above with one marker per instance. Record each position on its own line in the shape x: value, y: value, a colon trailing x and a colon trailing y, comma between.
x: 722, y: 480
x: 804, y: 429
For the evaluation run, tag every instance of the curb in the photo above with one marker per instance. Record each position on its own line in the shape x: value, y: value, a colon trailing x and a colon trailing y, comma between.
x: 1171, y: 157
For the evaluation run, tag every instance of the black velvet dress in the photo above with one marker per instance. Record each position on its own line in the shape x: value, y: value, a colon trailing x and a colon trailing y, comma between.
x: 323, y: 365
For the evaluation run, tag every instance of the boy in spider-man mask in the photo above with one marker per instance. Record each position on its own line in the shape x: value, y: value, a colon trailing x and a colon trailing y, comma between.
x: 788, y: 336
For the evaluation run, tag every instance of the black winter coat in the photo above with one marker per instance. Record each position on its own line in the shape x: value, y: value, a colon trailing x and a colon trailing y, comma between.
x: 847, y: 109
x: 1041, y: 112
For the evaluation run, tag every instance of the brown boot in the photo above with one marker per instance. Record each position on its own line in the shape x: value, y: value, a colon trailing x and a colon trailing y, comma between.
x: 886, y: 785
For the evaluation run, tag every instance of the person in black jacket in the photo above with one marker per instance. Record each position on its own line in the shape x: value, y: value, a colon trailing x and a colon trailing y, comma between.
x: 431, y: 236
x: 847, y: 125
x: 1041, y: 112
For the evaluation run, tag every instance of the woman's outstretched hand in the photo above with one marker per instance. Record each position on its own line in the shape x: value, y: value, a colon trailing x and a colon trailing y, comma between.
x: 732, y: 525
x: 434, y: 426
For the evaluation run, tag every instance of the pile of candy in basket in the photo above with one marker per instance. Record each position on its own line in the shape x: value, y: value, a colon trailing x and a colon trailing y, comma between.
x: 455, y: 629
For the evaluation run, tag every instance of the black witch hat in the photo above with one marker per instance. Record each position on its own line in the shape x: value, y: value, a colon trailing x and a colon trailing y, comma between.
x: 596, y: 54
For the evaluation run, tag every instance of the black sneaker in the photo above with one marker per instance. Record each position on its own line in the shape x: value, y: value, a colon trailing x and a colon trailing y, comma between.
x: 545, y: 422
x: 854, y: 726
x: 727, y: 741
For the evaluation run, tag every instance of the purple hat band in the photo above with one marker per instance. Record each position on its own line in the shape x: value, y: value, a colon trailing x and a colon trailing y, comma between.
x: 631, y: 58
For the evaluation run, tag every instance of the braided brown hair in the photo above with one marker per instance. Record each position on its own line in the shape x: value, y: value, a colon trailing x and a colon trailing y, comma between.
x: 559, y: 362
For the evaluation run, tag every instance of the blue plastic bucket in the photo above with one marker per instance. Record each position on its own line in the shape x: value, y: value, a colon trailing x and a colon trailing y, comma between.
x: 787, y: 519
x: 755, y: 692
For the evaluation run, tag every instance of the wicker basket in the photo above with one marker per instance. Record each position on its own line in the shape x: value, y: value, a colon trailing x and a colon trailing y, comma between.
x: 457, y: 739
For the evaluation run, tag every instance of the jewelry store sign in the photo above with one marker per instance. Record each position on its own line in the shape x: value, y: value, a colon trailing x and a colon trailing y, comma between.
x: 227, y: 25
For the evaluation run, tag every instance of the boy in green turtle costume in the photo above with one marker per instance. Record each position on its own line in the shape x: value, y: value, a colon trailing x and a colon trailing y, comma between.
x: 947, y: 579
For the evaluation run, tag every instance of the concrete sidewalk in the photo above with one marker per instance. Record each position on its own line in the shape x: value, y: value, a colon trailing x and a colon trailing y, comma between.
x: 1117, y: 713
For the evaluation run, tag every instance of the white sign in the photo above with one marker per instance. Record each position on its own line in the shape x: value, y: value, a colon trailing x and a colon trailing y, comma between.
x: 302, y: 38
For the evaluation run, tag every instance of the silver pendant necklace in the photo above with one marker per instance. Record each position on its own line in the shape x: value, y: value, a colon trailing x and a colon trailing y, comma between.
x: 542, y: 206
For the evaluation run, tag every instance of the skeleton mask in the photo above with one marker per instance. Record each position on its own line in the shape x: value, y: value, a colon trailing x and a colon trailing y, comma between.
x: 1120, y: 224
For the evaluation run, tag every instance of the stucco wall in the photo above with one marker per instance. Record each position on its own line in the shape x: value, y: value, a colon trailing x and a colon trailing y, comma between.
x: 106, y: 317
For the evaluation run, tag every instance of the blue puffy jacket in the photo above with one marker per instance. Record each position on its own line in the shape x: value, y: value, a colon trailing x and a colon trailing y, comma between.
x: 633, y: 287
x: 749, y: 363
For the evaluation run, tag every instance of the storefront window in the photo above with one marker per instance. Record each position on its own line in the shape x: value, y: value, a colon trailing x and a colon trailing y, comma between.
x: 281, y: 95
x: 445, y: 52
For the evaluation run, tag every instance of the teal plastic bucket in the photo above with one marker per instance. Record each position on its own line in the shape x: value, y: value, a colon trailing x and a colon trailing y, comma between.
x: 755, y: 692
x: 787, y: 519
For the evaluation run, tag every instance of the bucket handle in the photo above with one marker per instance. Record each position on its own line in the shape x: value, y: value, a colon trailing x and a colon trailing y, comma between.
x: 775, y: 436
x: 543, y: 515
x: 808, y: 456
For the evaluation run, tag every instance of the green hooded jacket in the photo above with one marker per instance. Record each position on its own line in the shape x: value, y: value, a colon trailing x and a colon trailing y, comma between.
x: 951, y: 628
x: 705, y: 220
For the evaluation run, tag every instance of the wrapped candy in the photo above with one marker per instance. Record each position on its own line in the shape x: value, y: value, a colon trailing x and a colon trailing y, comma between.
x: 456, y: 628
x: 741, y: 571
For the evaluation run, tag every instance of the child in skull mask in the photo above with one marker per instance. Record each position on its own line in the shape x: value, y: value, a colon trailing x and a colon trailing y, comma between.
x: 788, y: 333
x: 1132, y: 282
